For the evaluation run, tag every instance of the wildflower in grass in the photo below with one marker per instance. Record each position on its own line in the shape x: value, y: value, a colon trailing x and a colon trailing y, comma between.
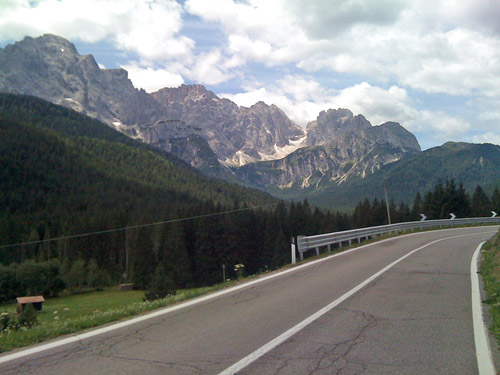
x: 239, y: 268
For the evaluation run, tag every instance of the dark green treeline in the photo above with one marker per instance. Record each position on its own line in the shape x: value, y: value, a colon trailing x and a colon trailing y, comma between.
x: 62, y: 174
x: 438, y: 203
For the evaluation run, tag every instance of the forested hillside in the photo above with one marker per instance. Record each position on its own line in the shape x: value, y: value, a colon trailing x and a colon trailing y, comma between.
x: 466, y: 163
x: 62, y: 174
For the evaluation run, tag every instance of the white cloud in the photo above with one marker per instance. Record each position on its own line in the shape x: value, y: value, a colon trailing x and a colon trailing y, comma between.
x: 152, y: 32
x: 489, y: 137
x: 302, y: 98
x: 327, y: 18
x: 148, y: 28
x: 490, y: 115
x: 436, y: 47
x: 207, y: 69
x: 151, y: 79
x: 389, y: 49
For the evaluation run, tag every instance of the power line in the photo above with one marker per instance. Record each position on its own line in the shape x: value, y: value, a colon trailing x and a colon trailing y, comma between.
x: 137, y: 226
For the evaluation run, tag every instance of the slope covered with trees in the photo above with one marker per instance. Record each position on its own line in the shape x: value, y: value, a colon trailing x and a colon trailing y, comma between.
x: 471, y: 164
x: 137, y: 209
x: 63, y: 174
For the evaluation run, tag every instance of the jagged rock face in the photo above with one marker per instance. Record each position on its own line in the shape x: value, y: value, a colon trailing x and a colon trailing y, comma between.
x: 347, y: 146
x: 394, y: 134
x: 200, y: 127
x: 51, y: 68
x: 238, y: 135
x: 333, y: 123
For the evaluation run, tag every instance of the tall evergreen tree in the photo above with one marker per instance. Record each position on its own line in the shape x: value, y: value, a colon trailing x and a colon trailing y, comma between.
x: 495, y: 200
x: 481, y: 204
x: 416, y: 209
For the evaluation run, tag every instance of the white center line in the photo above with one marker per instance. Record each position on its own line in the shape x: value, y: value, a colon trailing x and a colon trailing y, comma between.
x: 244, y: 362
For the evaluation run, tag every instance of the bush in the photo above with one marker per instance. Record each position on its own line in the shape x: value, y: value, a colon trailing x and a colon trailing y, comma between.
x: 5, y: 321
x: 76, y: 278
x: 160, y: 286
x: 10, y: 287
x: 27, y: 318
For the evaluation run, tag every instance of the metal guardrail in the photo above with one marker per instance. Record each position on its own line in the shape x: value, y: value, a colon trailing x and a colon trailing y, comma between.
x: 305, y: 243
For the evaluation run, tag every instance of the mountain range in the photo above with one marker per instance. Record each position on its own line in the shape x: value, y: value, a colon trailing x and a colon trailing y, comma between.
x: 258, y: 146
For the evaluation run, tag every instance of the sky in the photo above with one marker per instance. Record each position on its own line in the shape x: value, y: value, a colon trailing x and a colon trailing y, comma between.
x: 433, y: 66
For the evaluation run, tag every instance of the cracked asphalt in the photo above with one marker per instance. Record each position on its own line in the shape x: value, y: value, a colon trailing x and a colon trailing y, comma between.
x: 414, y: 319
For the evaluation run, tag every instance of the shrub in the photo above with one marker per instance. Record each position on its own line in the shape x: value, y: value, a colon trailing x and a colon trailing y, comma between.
x: 161, y: 285
x: 27, y: 318
x: 5, y: 321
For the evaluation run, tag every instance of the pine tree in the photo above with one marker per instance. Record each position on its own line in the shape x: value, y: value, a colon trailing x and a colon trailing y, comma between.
x: 173, y: 254
x: 142, y: 258
x: 481, y: 204
x: 416, y: 209
x: 495, y: 200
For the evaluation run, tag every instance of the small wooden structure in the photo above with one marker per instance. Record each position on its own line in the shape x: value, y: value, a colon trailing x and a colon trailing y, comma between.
x: 36, y: 301
x: 125, y: 287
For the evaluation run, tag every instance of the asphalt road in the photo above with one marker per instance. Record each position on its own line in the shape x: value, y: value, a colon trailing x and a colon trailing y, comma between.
x: 415, y: 318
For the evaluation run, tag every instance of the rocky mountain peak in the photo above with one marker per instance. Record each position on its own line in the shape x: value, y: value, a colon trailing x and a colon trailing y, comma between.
x: 183, y: 93
x: 196, y: 124
x: 396, y: 135
x: 238, y: 135
x: 333, y: 123
x: 48, y: 42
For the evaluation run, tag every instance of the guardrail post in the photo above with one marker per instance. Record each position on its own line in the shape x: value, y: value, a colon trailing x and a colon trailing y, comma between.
x: 329, y: 247
x: 317, y: 251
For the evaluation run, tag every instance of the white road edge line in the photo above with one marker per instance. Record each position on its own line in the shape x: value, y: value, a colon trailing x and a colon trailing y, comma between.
x: 114, y: 326
x: 244, y: 362
x: 82, y: 336
x: 483, y: 350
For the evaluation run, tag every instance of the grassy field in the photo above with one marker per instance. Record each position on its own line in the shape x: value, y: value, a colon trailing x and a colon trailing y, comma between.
x: 74, y: 313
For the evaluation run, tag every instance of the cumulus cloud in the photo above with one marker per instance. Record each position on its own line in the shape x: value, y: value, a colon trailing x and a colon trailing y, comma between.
x: 489, y: 137
x: 208, y: 69
x: 429, y: 46
x: 149, y: 28
x: 302, y: 98
x: 326, y: 18
x: 390, y: 49
x: 151, y: 79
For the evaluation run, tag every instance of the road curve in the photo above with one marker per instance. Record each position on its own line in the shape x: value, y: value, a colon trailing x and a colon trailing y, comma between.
x: 414, y: 318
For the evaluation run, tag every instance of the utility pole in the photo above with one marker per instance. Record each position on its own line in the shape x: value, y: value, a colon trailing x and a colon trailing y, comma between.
x: 387, y: 204
x: 125, y: 275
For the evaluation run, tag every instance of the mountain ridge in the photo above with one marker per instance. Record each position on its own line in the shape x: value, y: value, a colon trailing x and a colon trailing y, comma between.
x: 257, y: 145
x: 468, y: 163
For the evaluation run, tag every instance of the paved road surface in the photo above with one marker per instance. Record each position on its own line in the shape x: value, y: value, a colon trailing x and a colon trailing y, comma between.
x: 416, y: 318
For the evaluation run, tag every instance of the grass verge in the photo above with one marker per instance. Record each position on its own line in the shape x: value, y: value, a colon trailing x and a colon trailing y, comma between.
x: 74, y: 313
x: 490, y: 272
